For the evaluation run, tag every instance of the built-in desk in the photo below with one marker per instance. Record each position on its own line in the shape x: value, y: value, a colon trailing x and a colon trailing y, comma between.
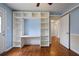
x: 30, y: 40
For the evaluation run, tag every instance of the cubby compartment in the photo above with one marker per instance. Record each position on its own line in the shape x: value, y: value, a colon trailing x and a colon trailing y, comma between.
x: 27, y: 14
x: 44, y: 20
x: 44, y: 43
x: 44, y: 14
x: 44, y: 26
x: 18, y: 14
x: 44, y: 32
x: 16, y: 44
x: 36, y: 14
x: 44, y: 38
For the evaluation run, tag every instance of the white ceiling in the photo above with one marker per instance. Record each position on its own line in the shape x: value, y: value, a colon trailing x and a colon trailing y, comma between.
x: 55, y: 8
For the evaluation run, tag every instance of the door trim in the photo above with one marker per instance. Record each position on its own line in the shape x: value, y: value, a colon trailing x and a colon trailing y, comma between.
x: 69, y: 31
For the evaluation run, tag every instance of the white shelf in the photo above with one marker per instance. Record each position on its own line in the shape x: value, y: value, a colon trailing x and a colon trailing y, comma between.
x: 27, y: 14
x: 28, y: 36
x: 44, y: 31
x: 44, y: 35
x: 44, y: 22
x: 16, y: 40
x: 45, y: 25
x: 44, y: 17
x: 44, y: 38
x: 44, y: 28
x: 18, y: 17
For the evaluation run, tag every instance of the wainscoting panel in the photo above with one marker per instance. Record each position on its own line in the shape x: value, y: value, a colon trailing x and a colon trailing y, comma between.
x: 74, y: 42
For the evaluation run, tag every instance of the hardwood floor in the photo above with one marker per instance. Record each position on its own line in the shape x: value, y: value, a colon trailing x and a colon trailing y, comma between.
x: 56, y: 49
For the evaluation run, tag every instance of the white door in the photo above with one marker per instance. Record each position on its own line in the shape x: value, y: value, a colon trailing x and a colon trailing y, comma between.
x: 64, y: 31
x: 2, y: 32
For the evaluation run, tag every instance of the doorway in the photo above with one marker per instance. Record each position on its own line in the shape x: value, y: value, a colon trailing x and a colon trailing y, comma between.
x: 60, y: 29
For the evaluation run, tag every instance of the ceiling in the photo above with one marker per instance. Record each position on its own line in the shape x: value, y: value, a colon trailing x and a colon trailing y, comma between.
x: 55, y: 8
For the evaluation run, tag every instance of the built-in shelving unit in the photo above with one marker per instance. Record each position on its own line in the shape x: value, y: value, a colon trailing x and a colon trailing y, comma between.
x: 44, y: 29
x: 18, y: 27
x: 17, y: 31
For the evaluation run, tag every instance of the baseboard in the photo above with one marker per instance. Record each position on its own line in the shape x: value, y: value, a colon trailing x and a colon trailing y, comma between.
x: 1, y: 52
x: 8, y: 49
x: 64, y: 45
x: 5, y: 50
x: 77, y: 52
x: 71, y: 49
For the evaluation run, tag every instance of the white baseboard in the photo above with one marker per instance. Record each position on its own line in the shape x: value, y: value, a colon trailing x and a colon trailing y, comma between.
x: 1, y: 52
x: 75, y: 51
x: 8, y: 49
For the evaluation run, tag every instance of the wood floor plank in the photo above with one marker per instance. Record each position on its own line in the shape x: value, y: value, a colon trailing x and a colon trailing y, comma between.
x: 56, y: 49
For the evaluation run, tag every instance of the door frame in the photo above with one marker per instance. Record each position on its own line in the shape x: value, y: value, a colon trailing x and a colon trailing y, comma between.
x: 69, y: 32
